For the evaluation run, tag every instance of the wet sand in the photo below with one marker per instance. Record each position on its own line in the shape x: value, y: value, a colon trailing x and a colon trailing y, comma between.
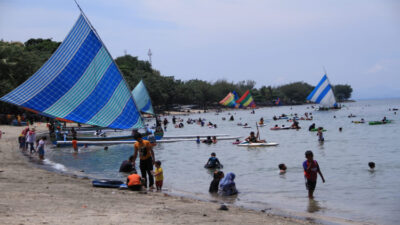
x: 31, y: 195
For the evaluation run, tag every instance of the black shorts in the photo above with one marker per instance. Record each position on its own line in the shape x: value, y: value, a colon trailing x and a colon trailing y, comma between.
x: 310, y: 184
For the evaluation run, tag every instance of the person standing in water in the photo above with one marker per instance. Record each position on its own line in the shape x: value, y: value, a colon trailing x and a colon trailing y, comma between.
x: 320, y: 134
x: 41, y: 147
x: 311, y: 171
x: 147, y: 159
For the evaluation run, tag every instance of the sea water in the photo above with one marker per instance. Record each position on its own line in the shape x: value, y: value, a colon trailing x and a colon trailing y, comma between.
x: 351, y: 190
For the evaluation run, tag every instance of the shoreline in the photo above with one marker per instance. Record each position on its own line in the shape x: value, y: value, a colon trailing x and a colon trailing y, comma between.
x: 33, y: 195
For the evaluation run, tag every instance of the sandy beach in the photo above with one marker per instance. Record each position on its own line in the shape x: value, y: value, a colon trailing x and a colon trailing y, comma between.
x: 30, y: 195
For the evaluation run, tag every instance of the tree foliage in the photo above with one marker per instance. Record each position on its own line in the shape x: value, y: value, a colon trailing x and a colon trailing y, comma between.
x: 18, y: 61
x: 342, y: 91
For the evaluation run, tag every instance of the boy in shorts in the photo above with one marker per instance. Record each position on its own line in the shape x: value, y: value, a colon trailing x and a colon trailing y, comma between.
x: 311, y: 168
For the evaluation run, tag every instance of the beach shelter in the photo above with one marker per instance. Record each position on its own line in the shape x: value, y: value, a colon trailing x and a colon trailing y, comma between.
x: 80, y: 82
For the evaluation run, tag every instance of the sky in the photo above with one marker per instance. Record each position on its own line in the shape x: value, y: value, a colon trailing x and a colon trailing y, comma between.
x: 272, y: 42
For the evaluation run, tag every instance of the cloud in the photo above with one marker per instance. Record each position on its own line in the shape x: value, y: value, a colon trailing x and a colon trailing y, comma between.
x: 376, y: 68
x: 385, y: 65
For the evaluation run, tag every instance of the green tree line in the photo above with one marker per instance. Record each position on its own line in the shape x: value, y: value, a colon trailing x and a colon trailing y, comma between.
x: 18, y: 61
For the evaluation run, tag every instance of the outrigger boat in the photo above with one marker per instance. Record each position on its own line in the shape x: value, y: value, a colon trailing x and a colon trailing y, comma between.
x: 323, y: 95
x: 81, y: 83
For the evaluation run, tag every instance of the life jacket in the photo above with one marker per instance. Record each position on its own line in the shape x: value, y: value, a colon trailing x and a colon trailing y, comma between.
x: 312, y: 175
x: 134, y: 179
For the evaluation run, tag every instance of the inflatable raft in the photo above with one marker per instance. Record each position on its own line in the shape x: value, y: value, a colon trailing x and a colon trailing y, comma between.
x: 379, y: 122
x: 107, y: 183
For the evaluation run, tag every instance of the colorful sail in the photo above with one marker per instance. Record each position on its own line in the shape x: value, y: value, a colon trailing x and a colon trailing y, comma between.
x: 323, y: 94
x: 229, y: 100
x: 80, y: 82
x: 278, y: 101
x: 246, y: 100
x: 236, y: 95
x: 142, y: 98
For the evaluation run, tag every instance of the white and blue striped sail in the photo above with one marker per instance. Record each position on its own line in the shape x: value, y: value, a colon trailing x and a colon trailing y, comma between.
x: 323, y: 94
x: 80, y: 82
x: 142, y: 98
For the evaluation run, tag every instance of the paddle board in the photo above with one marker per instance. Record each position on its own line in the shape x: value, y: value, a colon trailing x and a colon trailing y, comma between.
x: 247, y: 144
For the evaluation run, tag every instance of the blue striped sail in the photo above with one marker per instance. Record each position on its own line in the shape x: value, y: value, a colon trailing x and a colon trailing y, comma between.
x: 80, y: 82
x: 142, y: 98
x: 323, y: 93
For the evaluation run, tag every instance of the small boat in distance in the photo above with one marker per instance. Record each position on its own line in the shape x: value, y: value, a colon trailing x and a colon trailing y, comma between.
x: 323, y: 95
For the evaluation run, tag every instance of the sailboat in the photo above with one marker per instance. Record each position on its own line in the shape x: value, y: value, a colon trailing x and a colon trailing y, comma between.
x: 142, y: 98
x: 323, y: 95
x: 246, y: 100
x: 229, y: 100
x: 80, y: 82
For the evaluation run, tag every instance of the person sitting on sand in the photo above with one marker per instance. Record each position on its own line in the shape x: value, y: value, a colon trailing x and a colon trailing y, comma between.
x: 213, y: 162
x: 218, y: 175
x: 231, y: 118
x: 134, y: 181
x: 127, y: 166
x: 227, y: 185
x: 208, y: 140
x: 282, y: 168
x: 254, y: 139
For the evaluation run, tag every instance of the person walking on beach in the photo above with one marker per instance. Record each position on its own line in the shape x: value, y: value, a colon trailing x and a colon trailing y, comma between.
x: 41, y: 147
x: 311, y: 168
x: 147, y: 159
x: 31, y: 139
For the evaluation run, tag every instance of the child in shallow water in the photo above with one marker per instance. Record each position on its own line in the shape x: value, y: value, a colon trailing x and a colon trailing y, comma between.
x: 282, y: 168
x: 371, y: 165
x: 218, y: 175
x: 236, y: 142
x: 320, y: 134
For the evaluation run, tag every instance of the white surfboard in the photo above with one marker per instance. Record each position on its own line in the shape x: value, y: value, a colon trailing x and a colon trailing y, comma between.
x: 247, y: 144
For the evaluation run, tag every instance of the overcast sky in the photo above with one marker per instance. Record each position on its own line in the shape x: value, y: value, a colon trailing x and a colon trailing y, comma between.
x: 271, y: 42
